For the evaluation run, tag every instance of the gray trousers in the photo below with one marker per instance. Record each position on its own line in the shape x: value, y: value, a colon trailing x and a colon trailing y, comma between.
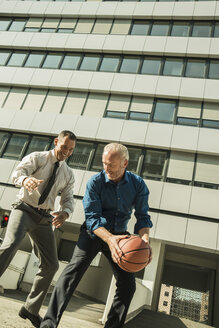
x: 24, y: 219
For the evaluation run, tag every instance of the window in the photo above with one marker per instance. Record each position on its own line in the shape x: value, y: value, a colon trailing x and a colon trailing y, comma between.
x: 47, y: 30
x: 207, y: 169
x: 121, y: 26
x: 109, y: 63
x: 166, y: 294
x: 187, y: 121
x: 118, y: 103
x: 89, y: 63
x: 160, y: 28
x: 164, y: 111
x: 71, y: 61
x: 17, y: 25
x: 102, y: 26
x: 137, y: 116
x: 173, y: 67
x: 210, y: 124
x: 216, y: 30
x: 214, y: 70
x: 181, y: 165
x: 95, y: 105
x: 3, y: 139
x: 134, y: 155
x: 79, y: 158
x: 165, y: 303
x: 38, y: 144
x: 15, y: 146
x: 151, y: 66
x: 4, y: 54
x: 67, y: 25
x: 180, y: 29
x: 17, y: 58
x: 129, y: 65
x: 84, y: 25
x: 34, y: 59
x: 154, y: 164
x: 4, y: 23
x: 201, y: 30
x: 52, y: 60
x: 195, y: 68
x: 97, y: 164
x: 140, y: 28
x: 114, y: 114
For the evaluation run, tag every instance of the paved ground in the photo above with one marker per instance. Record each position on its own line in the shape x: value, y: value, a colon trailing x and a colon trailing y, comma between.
x: 80, y: 313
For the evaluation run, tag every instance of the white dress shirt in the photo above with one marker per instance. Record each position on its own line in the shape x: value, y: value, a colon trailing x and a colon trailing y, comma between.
x: 40, y: 166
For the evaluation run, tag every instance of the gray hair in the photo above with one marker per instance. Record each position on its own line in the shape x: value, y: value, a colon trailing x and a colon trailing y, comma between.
x: 118, y: 148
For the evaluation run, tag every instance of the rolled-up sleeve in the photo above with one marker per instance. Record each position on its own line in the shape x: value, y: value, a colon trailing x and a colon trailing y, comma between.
x: 67, y: 196
x: 93, y: 207
x: 141, y: 208
x: 24, y: 169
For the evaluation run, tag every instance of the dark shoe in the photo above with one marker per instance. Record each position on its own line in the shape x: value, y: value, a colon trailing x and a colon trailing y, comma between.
x: 35, y: 319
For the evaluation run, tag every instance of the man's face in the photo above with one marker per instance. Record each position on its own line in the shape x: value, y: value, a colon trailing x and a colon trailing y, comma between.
x: 114, y: 165
x: 64, y: 148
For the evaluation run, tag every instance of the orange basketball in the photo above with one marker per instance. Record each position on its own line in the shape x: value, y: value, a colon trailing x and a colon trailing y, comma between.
x: 135, y: 253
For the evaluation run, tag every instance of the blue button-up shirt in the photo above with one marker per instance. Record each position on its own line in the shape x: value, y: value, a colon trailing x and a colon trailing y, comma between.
x: 109, y: 205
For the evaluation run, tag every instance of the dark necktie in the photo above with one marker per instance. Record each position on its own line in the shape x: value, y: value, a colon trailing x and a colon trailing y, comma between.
x: 49, y: 185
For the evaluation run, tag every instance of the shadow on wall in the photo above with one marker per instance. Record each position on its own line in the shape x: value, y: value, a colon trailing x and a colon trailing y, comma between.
x: 151, y: 319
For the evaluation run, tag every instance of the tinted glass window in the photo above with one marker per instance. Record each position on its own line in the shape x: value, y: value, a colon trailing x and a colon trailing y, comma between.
x: 97, y: 164
x: 4, y: 23
x: 180, y: 29
x: 160, y: 29
x: 17, y: 59
x: 109, y: 64
x: 214, y: 70
x: 195, y: 68
x: 138, y: 116
x: 52, y: 60
x: 15, y: 146
x: 3, y: 57
x: 71, y: 62
x: 151, y: 66
x: 154, y: 164
x: 80, y: 156
x: 90, y: 63
x: 164, y: 111
x: 34, y: 60
x: 173, y: 67
x: 130, y: 65
x: 201, y: 30
x: 17, y: 25
x: 38, y: 144
x: 140, y: 28
x: 114, y: 114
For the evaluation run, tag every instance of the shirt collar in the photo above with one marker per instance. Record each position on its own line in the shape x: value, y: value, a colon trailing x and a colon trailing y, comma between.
x: 125, y: 178
x: 54, y: 159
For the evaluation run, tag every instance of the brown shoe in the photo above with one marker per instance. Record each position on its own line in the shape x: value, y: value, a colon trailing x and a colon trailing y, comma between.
x: 34, y: 319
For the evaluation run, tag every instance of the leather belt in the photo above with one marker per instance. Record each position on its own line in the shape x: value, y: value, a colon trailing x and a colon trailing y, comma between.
x: 41, y: 211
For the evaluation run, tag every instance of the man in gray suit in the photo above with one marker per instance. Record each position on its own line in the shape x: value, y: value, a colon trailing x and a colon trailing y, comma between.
x: 41, y: 176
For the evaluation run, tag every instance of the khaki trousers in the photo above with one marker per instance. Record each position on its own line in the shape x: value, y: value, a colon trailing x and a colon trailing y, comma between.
x: 24, y: 219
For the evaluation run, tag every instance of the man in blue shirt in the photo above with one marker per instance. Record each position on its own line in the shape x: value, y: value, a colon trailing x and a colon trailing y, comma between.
x: 108, y: 202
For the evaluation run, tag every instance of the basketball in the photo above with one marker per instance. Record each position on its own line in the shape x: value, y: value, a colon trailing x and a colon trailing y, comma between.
x: 135, y: 254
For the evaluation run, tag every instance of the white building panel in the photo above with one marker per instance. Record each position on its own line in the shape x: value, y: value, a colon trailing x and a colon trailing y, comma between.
x: 114, y: 43
x: 8, y: 197
x: 106, y: 9
x: 6, y: 169
x: 192, y: 88
x: 7, y: 38
x: 145, y: 85
x: 88, y: 9
x: 79, y: 174
x: 37, y: 8
x: 78, y: 214
x: 43, y: 122
x: 7, y: 6
x: 134, y: 44
x: 81, y: 80
x: 22, y: 121
x: 176, y: 46
x: 171, y: 228
x: 94, y: 42
x: 101, y: 81
x: 23, y: 38
x: 64, y: 122
x: 155, y: 45
x: 199, y: 47
x: 109, y: 129
x: 202, y: 234
x: 125, y: 10
x: 23, y: 76
x: 123, y: 83
x: 143, y: 10
x: 172, y: 197
x: 204, y: 10
x: 87, y: 127
x: 54, y: 8
x: 40, y: 40
x: 133, y: 132
x: 183, y: 10
x: 21, y: 7
x: 6, y: 117
x: 86, y: 177
x: 163, y: 10
x: 57, y: 41
x: 75, y: 42
x: 60, y: 78
x: 159, y: 135
x: 185, y: 137
x: 204, y: 202
x: 168, y: 86
x: 41, y: 77
x: 71, y: 9
x: 211, y: 90
x: 208, y: 141
x: 155, y: 189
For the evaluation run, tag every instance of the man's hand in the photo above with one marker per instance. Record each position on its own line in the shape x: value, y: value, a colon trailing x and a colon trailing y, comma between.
x: 113, y: 243
x: 31, y: 183
x: 59, y: 218
x: 144, y: 234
